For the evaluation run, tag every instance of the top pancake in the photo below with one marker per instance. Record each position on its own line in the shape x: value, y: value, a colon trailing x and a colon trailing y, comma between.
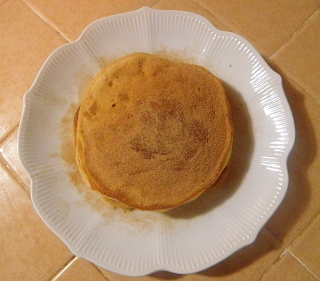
x: 152, y: 133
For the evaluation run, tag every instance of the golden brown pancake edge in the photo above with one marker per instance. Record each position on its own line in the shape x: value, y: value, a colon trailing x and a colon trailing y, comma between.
x: 149, y: 129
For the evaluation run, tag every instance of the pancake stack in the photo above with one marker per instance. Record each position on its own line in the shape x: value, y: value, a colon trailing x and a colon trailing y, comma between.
x: 153, y: 134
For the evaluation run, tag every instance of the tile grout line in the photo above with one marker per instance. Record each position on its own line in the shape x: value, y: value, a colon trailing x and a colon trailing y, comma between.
x: 285, y: 250
x: 274, y: 263
x: 4, y: 2
x: 97, y: 268
x: 5, y: 138
x: 304, y: 266
x: 47, y: 22
x: 305, y: 228
x: 62, y: 269
x: 288, y: 251
x: 156, y: 3
x: 291, y: 78
x: 8, y: 168
x: 214, y: 15
x: 275, y: 237
x: 295, y: 33
x: 7, y: 164
x: 303, y: 88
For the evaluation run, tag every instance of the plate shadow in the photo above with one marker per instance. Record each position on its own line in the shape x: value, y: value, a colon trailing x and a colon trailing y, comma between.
x: 243, y: 144
x: 287, y: 221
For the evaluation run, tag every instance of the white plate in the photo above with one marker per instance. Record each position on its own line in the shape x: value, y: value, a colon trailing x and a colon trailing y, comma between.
x: 194, y: 236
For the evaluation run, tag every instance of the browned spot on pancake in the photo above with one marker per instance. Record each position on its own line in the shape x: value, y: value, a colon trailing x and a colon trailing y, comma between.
x: 123, y: 97
x: 91, y: 111
x: 146, y: 148
x: 198, y: 132
x: 87, y: 114
x: 140, y: 63
x: 93, y: 108
x: 169, y: 125
x: 146, y: 118
x: 165, y: 109
x: 144, y: 151
x: 189, y: 153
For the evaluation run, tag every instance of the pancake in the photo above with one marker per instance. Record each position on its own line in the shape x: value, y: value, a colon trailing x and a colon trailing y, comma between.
x: 153, y: 134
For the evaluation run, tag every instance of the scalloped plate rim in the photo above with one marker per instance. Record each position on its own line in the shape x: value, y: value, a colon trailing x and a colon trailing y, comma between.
x: 284, y: 159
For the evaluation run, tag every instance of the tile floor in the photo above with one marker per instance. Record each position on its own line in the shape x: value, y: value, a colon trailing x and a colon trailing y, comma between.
x: 286, y: 33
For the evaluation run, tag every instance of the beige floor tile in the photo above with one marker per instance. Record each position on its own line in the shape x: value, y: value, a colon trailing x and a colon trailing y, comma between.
x: 288, y: 269
x: 79, y: 270
x: 25, y: 43
x: 307, y: 247
x: 300, y: 58
x: 249, y: 263
x: 29, y: 250
x: 301, y: 202
x: 9, y: 152
x: 266, y: 24
x: 70, y: 18
x: 189, y: 6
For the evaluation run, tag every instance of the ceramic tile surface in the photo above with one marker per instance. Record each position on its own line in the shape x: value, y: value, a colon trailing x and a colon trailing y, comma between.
x: 266, y: 24
x: 79, y: 270
x: 305, y: 246
x: 9, y: 152
x: 26, y: 41
x: 29, y: 250
x: 289, y: 269
x: 300, y: 57
x: 190, y: 6
x: 302, y: 199
x: 286, y: 33
x: 70, y: 18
